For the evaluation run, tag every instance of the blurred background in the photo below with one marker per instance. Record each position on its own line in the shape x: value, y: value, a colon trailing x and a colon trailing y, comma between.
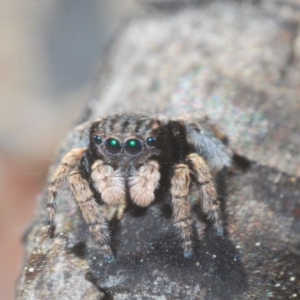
x: 48, y: 56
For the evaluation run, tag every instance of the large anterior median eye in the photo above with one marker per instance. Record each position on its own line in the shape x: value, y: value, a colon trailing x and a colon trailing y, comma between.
x: 113, y: 146
x: 133, y: 146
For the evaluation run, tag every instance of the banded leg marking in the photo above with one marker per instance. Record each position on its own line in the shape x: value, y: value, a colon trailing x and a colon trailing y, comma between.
x: 180, y: 188
x: 69, y: 161
x: 91, y: 213
x: 209, y: 198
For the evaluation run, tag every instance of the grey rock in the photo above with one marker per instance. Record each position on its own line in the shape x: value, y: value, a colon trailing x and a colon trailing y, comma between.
x: 53, y: 272
x: 228, y: 60
x: 258, y: 256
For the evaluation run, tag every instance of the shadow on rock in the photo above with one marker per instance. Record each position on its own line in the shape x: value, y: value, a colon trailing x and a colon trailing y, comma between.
x: 150, y: 261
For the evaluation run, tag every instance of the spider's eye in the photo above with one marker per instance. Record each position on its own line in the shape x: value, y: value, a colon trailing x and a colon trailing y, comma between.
x: 113, y: 146
x: 151, y: 141
x: 97, y: 139
x: 133, y: 146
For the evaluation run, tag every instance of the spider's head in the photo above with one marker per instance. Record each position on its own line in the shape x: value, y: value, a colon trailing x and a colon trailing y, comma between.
x: 125, y: 139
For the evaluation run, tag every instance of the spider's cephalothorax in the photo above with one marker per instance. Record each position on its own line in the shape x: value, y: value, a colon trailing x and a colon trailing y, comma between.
x: 136, y: 155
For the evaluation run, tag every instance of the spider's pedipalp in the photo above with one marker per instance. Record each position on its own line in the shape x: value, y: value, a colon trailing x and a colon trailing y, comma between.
x: 91, y: 212
x: 69, y: 161
x: 109, y: 183
x: 143, y: 182
x: 180, y: 188
x: 210, y: 202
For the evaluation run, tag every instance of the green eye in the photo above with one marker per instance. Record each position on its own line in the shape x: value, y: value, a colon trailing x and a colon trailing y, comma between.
x: 113, y: 146
x: 133, y: 146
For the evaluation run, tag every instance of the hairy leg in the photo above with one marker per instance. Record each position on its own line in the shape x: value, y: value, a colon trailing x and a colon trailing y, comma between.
x: 180, y: 187
x: 91, y: 213
x: 210, y: 202
x: 69, y: 161
x: 143, y: 182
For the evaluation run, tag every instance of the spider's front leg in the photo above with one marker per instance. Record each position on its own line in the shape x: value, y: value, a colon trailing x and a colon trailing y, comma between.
x: 91, y: 213
x: 180, y: 188
x: 69, y: 161
x: 110, y: 184
x: 210, y: 202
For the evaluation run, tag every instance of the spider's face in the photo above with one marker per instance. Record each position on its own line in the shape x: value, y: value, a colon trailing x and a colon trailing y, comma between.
x: 125, y: 140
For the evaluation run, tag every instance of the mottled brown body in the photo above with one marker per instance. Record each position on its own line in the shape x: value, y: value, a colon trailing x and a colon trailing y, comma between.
x: 135, y: 155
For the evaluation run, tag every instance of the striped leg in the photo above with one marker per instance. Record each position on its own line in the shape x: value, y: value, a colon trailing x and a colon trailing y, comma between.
x: 180, y: 187
x: 210, y: 202
x: 91, y: 213
x: 69, y: 161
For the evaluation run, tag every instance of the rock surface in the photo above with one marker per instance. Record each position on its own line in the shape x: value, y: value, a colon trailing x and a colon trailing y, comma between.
x: 236, y: 62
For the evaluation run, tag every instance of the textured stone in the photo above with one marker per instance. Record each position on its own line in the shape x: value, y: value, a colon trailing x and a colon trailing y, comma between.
x: 52, y: 271
x: 228, y: 60
x: 253, y: 259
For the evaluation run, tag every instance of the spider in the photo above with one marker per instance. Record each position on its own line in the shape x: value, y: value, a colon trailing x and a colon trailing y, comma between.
x: 131, y: 156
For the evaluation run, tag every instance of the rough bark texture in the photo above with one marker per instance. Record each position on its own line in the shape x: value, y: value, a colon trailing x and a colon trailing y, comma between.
x: 239, y: 63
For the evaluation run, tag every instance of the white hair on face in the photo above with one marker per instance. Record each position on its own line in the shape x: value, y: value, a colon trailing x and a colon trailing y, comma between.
x: 206, y: 144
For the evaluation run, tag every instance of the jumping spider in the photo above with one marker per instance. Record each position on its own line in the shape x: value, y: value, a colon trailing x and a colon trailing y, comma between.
x: 136, y: 156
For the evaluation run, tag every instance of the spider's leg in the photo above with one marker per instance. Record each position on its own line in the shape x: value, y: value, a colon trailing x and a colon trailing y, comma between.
x: 109, y: 183
x: 208, y: 146
x: 91, y: 212
x: 180, y: 188
x: 143, y: 182
x: 69, y: 161
x: 210, y: 202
